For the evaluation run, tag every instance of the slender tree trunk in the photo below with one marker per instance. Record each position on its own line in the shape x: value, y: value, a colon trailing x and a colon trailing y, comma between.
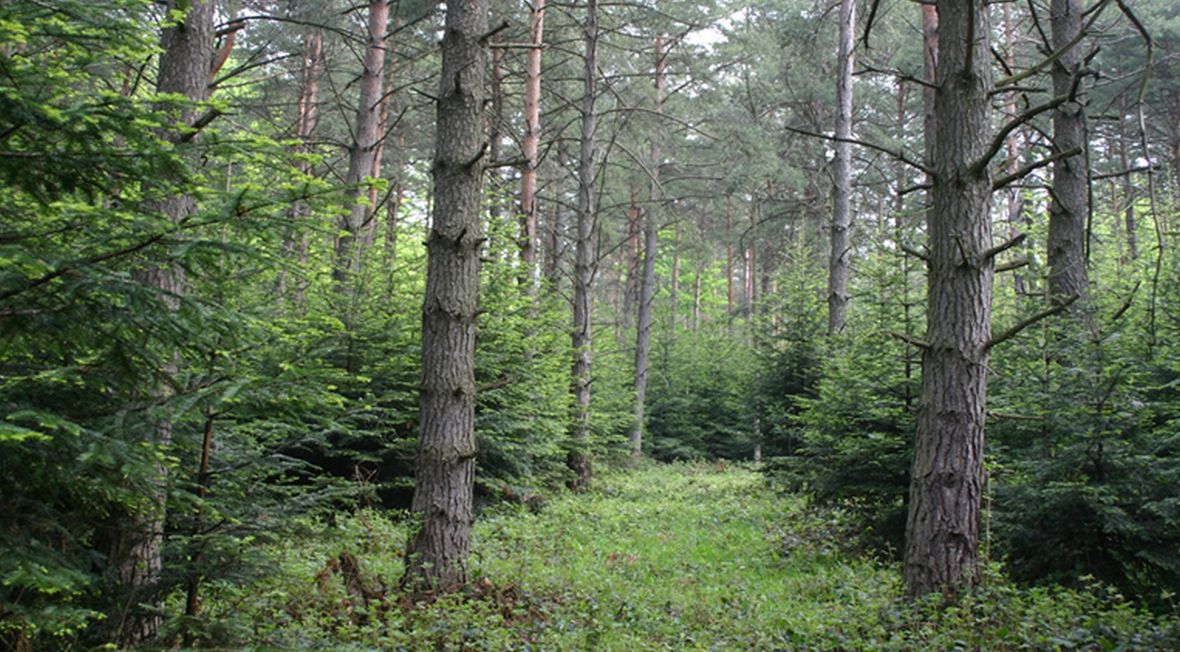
x: 436, y: 558
x: 729, y: 284
x: 295, y: 240
x: 841, y: 237
x: 942, y: 530
x: 647, y: 290
x: 647, y: 294
x: 900, y: 236
x: 930, y: 67
x: 1069, y: 207
x: 496, y: 176
x: 1015, y: 200
x: 584, y: 257
x: 634, y: 262
x: 187, y: 50
x: 696, y: 301
x: 1129, y: 223
x: 532, y: 137
x: 674, y: 303
x: 360, y: 154
x: 383, y: 128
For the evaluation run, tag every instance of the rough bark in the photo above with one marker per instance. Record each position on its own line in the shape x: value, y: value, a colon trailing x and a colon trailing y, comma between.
x: 839, y: 259
x: 436, y: 558
x: 942, y: 530
x: 360, y: 152
x: 647, y: 287
x: 187, y: 50
x: 584, y: 257
x: 532, y: 137
x: 1069, y: 207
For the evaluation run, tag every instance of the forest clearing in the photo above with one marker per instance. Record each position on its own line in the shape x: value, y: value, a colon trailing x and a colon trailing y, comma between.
x: 589, y: 324
x: 667, y: 557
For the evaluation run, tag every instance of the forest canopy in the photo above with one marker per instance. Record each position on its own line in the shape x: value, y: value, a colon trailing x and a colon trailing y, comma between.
x: 270, y: 269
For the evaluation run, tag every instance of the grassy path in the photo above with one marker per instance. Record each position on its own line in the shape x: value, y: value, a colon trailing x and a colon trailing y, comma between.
x: 682, y: 557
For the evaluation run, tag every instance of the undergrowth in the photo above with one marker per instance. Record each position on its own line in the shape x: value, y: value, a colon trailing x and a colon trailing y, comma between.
x: 679, y: 557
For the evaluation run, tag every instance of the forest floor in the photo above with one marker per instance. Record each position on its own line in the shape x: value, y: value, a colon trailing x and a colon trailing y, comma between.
x: 680, y: 557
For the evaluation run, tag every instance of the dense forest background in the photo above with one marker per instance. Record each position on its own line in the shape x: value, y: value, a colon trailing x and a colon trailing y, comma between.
x: 211, y: 283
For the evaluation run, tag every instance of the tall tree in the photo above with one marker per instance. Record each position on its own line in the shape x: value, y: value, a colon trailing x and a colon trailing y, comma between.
x: 578, y: 459
x: 1068, y: 210
x: 361, y: 162
x: 942, y: 529
x: 647, y: 287
x: 306, y: 118
x: 436, y: 557
x: 841, y: 225
x: 532, y: 136
x: 187, y: 50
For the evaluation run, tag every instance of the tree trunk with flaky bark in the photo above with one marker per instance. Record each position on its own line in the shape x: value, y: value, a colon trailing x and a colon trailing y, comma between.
x: 584, y: 256
x: 1069, y: 209
x: 930, y: 68
x: 187, y: 50
x: 436, y: 558
x: 839, y: 259
x: 360, y: 153
x: 942, y: 530
x: 532, y: 138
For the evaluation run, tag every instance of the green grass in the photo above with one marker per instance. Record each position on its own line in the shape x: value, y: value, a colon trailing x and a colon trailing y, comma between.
x: 684, y: 557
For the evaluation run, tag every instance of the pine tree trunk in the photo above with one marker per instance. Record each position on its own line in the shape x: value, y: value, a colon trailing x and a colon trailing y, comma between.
x: 1015, y: 199
x: 1069, y: 209
x: 647, y: 293
x: 360, y: 154
x: 436, y: 558
x: 841, y: 240
x: 295, y: 239
x: 729, y: 281
x: 532, y: 137
x: 942, y: 530
x: 584, y: 257
x: 634, y: 262
x: 647, y: 289
x: 674, y: 298
x: 187, y: 50
x: 930, y: 68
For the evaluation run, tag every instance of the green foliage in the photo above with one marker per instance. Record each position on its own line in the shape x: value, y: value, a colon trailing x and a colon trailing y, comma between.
x: 698, y: 398
x: 690, y: 557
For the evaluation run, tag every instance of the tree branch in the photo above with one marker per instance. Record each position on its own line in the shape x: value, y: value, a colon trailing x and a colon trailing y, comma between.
x: 897, y: 154
x: 1025, y: 169
x: 999, y: 249
x: 1015, y: 330
x: 910, y: 339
